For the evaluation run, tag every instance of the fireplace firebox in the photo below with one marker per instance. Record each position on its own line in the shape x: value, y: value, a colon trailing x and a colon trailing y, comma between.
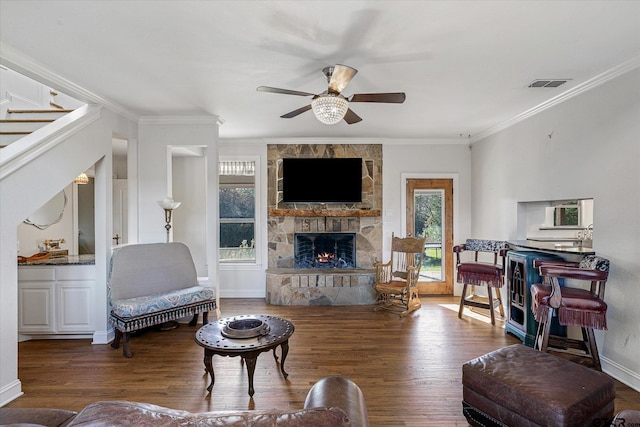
x: 325, y: 250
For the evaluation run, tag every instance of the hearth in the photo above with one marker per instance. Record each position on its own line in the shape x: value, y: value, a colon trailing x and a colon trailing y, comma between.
x: 325, y: 250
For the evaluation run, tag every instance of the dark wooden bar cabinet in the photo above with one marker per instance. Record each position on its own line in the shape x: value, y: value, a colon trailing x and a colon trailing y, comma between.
x: 520, y: 275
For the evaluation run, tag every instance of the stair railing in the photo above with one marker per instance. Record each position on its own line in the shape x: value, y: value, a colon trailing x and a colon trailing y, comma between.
x: 24, y: 150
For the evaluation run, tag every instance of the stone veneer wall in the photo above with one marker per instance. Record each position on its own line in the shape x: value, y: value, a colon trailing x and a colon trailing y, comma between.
x: 311, y: 287
x: 371, y: 155
x: 289, y: 286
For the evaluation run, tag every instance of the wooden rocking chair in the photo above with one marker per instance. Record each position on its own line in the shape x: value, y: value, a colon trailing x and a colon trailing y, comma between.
x: 397, y: 280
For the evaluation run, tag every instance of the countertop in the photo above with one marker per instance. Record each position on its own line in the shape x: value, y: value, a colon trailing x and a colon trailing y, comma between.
x: 551, y: 247
x: 64, y: 260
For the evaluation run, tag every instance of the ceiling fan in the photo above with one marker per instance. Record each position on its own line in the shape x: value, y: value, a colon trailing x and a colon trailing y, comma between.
x: 331, y: 106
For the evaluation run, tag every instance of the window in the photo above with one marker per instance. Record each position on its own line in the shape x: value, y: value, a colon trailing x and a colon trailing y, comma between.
x: 237, y: 209
x: 567, y: 213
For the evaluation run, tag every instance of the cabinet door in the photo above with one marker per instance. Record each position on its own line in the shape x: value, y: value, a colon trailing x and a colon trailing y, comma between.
x: 75, y: 302
x: 517, y: 289
x: 36, y: 307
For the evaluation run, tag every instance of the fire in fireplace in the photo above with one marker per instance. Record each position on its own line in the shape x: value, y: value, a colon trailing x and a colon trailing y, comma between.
x: 325, y: 250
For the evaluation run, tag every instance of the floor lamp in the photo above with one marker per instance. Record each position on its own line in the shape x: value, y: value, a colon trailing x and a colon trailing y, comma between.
x: 168, y: 205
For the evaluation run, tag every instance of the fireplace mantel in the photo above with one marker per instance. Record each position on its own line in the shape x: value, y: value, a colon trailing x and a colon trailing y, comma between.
x: 326, y: 212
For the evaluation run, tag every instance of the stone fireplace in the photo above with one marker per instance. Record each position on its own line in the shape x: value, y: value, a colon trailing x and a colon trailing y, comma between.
x: 324, y: 254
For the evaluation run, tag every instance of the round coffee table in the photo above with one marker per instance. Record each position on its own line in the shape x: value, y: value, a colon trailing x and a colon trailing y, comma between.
x: 246, y: 336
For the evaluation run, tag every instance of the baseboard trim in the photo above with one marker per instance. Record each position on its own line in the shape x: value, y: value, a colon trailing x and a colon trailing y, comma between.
x: 620, y: 373
x: 10, y: 392
x: 248, y: 294
x: 103, y: 337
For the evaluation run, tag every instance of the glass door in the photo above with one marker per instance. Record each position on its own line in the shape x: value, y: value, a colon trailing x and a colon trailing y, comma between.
x: 430, y: 214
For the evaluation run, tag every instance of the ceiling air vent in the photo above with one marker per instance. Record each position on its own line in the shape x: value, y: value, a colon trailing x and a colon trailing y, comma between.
x: 548, y: 83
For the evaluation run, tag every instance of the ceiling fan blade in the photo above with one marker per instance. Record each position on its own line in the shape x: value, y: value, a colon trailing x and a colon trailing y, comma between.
x: 283, y: 91
x: 296, y: 112
x: 393, y: 98
x: 352, y: 117
x: 340, y: 78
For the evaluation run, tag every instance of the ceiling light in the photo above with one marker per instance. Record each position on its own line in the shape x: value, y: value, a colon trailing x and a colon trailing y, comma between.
x: 81, y: 179
x: 329, y: 108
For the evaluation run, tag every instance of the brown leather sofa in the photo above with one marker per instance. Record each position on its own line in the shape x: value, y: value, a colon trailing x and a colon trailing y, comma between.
x: 332, y: 401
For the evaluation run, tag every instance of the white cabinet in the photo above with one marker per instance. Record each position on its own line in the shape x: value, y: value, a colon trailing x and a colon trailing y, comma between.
x: 56, y: 300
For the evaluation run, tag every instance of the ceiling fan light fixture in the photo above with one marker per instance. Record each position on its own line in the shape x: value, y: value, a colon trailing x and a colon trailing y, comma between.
x: 329, y: 108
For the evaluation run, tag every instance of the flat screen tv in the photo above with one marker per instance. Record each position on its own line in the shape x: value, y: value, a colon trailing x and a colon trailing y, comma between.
x: 322, y: 180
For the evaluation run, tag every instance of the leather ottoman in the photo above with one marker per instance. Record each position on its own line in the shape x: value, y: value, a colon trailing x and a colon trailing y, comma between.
x: 520, y: 386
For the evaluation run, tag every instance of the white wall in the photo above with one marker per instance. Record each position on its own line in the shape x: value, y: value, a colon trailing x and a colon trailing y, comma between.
x: 431, y: 159
x: 29, y: 236
x: 189, y: 220
x: 154, y: 180
x: 156, y: 137
x: 120, y: 167
x: 593, y: 152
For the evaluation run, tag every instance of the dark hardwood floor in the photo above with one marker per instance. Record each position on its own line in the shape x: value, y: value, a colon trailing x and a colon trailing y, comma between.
x: 408, y: 368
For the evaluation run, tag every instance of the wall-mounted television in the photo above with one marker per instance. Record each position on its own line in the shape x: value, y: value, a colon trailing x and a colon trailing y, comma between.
x: 322, y: 180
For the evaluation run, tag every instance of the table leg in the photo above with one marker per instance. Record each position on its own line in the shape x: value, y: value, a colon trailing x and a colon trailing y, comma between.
x: 285, y: 351
x: 208, y: 366
x: 251, y: 368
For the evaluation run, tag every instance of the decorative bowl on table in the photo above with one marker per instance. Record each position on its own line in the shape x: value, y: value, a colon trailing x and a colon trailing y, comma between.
x: 244, y: 327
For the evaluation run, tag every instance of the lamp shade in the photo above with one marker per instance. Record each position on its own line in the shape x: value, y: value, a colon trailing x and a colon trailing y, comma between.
x: 168, y: 203
x: 81, y: 179
x: 329, y: 108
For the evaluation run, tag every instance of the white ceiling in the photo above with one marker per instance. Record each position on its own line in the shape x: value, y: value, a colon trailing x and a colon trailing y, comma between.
x: 464, y: 65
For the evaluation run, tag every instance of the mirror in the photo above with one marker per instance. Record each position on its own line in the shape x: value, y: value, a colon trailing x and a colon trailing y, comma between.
x: 50, y: 213
x: 576, y: 213
x: 567, y: 215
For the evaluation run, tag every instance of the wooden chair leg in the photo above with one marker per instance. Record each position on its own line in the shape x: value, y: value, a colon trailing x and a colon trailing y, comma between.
x: 462, y: 298
x: 537, y: 343
x: 593, y: 348
x: 116, y: 340
x: 413, y: 302
x: 499, y: 298
x: 194, y: 320
x: 492, y: 309
x: 126, y: 351
x: 546, y: 331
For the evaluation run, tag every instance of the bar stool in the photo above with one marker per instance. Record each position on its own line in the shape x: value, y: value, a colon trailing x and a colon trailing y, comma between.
x: 478, y: 273
x: 574, y: 306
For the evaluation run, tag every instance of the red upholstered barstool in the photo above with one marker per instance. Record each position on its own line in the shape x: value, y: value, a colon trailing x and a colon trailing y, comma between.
x: 478, y: 273
x: 574, y: 306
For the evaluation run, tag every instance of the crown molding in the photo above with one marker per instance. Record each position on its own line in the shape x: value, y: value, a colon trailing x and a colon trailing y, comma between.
x: 181, y: 120
x: 15, y: 60
x: 571, y: 93
x: 352, y: 141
